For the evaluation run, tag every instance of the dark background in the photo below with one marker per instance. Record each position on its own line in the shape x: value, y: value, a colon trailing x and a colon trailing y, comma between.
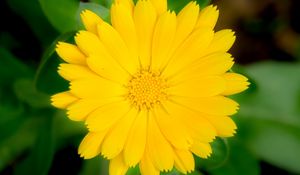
x: 37, y: 139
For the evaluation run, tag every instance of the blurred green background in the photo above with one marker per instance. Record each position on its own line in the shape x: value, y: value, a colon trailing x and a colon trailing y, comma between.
x: 36, y: 139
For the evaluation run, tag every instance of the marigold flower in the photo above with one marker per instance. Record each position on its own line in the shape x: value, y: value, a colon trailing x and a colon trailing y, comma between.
x: 152, y: 87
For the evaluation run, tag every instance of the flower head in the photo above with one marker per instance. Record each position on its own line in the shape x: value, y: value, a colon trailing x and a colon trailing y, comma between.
x: 152, y: 87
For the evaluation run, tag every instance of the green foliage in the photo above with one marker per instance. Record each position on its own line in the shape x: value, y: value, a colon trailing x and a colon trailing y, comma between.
x: 32, y: 131
x: 178, y: 5
x: 218, y: 158
x: 133, y: 171
x: 269, y: 117
x: 26, y: 92
x: 280, y: 83
x: 62, y: 18
x: 11, y: 109
x: 31, y: 11
x: 91, y: 166
x: 105, y: 3
x: 47, y: 71
x: 42, y: 151
x: 240, y: 161
x: 65, y: 20
x: 274, y: 142
x: 9, y: 63
x: 22, y: 139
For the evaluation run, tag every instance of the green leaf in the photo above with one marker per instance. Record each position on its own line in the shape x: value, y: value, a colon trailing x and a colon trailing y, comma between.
x: 7, y: 41
x: 273, y: 141
x: 42, y: 152
x: 97, y: 165
x: 203, y: 3
x: 276, y: 93
x: 105, y: 3
x: 11, y: 109
x: 91, y: 166
x: 10, y: 106
x: 11, y: 119
x: 47, y: 79
x: 11, y: 68
x: 23, y: 138
x: 269, y: 120
x: 173, y: 172
x: 240, y: 161
x: 31, y: 12
x: 65, y: 15
x: 195, y: 173
x: 65, y: 129
x: 178, y: 5
x: 61, y: 14
x: 26, y: 92
x: 133, y: 171
x: 218, y: 157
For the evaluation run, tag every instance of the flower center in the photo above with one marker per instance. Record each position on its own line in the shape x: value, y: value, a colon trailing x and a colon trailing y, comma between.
x: 146, y: 89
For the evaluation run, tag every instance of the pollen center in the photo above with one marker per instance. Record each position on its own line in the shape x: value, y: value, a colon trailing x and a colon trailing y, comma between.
x: 146, y: 89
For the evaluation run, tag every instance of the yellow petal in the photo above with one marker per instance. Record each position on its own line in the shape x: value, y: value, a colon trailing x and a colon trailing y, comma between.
x: 97, y: 87
x: 163, y: 38
x: 122, y: 21
x: 144, y: 18
x: 224, y: 125
x: 115, y: 140
x: 206, y: 86
x: 88, y: 42
x: 104, y: 65
x: 184, y: 161
x: 70, y: 53
x: 190, y: 50
x: 117, y: 47
x: 159, y: 149
x: 106, y: 116
x: 235, y: 83
x: 90, y: 145
x: 93, y: 47
x: 198, y: 127
x: 222, y: 42
x: 129, y: 4
x: 217, y: 105
x: 63, y: 100
x: 117, y: 166
x: 136, y: 141
x: 147, y: 167
x: 73, y: 72
x: 160, y: 6
x: 208, y: 17
x: 186, y: 21
x: 169, y: 126
x: 214, y: 64
x: 80, y: 109
x: 90, y: 20
x: 201, y: 149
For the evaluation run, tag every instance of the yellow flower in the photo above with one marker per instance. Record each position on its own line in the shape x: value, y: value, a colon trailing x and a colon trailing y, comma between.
x: 152, y: 86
